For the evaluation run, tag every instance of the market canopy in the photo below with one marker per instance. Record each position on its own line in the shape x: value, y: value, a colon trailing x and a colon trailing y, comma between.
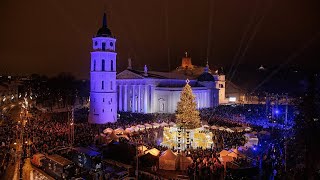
x: 148, y: 126
x: 112, y: 137
x: 224, y: 153
x: 206, y: 126
x: 227, y: 159
x: 221, y: 128
x: 142, y: 148
x: 232, y: 154
x: 129, y: 130
x: 153, y: 151
x: 229, y: 130
x: 118, y: 131
x: 172, y: 124
x: 247, y: 129
x: 168, y: 160
x: 163, y: 124
x: 107, y: 131
x: 141, y: 127
x: 155, y: 125
x: 214, y: 127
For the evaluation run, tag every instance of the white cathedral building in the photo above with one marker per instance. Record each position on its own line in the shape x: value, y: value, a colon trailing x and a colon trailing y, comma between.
x: 144, y: 91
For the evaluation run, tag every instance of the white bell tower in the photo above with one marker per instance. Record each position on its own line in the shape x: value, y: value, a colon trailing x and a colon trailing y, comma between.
x: 103, y: 94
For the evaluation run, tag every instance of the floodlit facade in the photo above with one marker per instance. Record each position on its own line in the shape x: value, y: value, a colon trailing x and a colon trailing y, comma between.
x: 103, y: 94
x: 159, y: 92
x: 144, y: 91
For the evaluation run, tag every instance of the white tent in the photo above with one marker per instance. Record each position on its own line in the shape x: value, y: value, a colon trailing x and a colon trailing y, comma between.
x: 129, y: 130
x: 108, y: 131
x: 153, y: 151
x: 141, y: 127
x: 221, y: 128
x: 238, y: 129
x: 172, y: 124
x: 148, y: 126
x: 155, y: 125
x: 206, y: 126
x: 118, y: 131
x: 163, y: 124
x: 214, y: 127
x: 112, y: 137
x: 168, y: 160
x: 136, y: 128
x: 247, y: 129
x: 229, y: 130
x: 249, y: 135
x: 254, y: 141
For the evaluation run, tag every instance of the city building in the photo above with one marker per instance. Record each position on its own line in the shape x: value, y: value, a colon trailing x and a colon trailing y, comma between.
x: 144, y: 91
x: 103, y: 94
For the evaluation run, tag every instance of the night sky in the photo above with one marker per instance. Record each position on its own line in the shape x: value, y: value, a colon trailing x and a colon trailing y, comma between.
x: 49, y: 37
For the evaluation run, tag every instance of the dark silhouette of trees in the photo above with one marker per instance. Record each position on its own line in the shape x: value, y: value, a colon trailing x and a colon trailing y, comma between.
x: 306, y: 145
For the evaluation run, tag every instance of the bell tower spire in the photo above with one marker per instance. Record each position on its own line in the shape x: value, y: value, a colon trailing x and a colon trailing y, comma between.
x: 103, y: 91
x: 104, y: 20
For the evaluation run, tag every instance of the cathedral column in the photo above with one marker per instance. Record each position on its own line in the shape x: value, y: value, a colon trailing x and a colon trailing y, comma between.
x: 139, y: 99
x: 206, y: 98
x: 145, y: 99
x: 133, y: 99
x: 125, y: 108
x: 120, y: 98
x: 152, y: 91
x: 202, y: 100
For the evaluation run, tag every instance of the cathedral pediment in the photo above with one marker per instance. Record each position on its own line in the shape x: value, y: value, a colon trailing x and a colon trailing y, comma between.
x: 126, y: 74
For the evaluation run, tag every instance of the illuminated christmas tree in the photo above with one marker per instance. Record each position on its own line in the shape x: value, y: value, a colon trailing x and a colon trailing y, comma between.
x: 187, y: 115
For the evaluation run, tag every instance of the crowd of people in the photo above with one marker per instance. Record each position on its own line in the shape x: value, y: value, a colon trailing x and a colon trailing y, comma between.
x: 250, y: 115
x: 7, y: 139
x: 206, y: 165
x: 48, y: 131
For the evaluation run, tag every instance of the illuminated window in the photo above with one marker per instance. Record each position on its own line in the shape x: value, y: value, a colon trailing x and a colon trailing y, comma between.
x: 102, y: 84
x: 232, y: 99
x: 103, y: 65
x: 111, y: 65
